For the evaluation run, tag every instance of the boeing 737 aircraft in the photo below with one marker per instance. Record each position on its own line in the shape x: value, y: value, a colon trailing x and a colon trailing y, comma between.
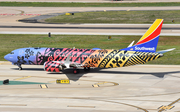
x: 57, y: 59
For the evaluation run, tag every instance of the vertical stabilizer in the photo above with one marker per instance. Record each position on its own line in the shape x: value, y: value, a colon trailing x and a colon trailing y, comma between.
x: 149, y: 41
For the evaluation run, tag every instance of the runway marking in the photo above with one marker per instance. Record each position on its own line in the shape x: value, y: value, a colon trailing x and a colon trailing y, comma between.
x: 168, y: 107
x: 23, y: 78
x: 22, y: 14
x: 145, y: 110
x: 95, y: 85
x: 128, y: 10
x: 100, y: 83
x: 43, y: 86
x: 5, y: 63
x: 165, y: 108
x: 81, y: 106
x: 51, y: 81
x: 13, y: 105
x: 82, y: 98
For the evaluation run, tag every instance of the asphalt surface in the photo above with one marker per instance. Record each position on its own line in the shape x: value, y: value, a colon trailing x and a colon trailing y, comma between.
x: 143, y: 88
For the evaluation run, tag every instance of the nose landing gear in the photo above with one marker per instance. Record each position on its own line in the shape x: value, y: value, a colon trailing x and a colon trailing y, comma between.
x: 19, y: 65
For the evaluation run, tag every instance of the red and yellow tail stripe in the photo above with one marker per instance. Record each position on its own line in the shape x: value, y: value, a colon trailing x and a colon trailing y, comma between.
x: 153, y: 32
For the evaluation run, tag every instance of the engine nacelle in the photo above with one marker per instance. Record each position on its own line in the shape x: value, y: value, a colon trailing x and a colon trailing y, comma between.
x: 51, y: 66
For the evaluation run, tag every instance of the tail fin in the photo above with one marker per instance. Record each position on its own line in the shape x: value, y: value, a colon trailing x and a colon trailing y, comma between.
x: 149, y: 41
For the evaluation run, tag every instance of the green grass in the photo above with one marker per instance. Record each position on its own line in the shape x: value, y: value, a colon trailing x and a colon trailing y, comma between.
x: 10, y: 42
x: 118, y: 17
x: 60, y: 4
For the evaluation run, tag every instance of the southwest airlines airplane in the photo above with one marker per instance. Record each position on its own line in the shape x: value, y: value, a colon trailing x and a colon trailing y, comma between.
x: 58, y: 59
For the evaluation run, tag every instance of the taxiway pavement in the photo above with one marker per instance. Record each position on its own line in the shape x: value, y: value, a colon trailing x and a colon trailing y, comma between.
x: 10, y: 25
x: 142, y: 88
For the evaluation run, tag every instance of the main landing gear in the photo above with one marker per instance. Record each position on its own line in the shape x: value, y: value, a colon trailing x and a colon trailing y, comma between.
x: 76, y: 71
x: 86, y: 69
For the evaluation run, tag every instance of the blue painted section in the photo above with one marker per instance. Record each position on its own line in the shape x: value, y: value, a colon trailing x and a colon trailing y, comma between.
x: 25, y: 56
x: 145, y: 47
x: 96, y: 49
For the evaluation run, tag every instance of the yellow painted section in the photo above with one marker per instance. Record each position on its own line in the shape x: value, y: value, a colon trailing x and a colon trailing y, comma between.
x: 51, y: 81
x: 22, y: 78
x: 166, y: 107
x: 68, y: 13
x: 101, y: 83
x: 96, y: 57
x: 151, y: 29
x: 95, y: 85
x: 43, y: 86
x: 5, y: 63
x: 120, y: 60
x: 64, y: 81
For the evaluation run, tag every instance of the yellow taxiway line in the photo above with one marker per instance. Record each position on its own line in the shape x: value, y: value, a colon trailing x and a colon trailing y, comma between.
x: 22, y: 78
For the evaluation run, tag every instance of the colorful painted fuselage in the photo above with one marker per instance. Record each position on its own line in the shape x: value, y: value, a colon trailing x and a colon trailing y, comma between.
x: 86, y: 57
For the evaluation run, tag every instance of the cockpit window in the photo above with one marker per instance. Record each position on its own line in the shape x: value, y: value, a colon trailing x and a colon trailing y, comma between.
x: 12, y: 53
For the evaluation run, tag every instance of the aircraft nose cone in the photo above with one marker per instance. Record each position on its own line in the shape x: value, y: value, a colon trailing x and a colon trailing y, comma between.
x: 6, y: 57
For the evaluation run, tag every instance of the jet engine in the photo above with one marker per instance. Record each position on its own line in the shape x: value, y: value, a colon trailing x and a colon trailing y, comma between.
x: 52, y: 66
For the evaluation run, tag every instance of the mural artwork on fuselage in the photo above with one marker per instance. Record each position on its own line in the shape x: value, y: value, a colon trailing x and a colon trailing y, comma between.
x: 60, y: 54
x: 96, y: 58
x: 86, y: 57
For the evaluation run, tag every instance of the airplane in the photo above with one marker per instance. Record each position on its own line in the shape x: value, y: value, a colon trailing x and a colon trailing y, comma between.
x: 58, y: 59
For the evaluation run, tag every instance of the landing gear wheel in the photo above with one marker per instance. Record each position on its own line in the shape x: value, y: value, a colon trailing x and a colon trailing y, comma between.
x: 19, y: 65
x: 20, y: 68
x: 75, y: 71
x: 88, y: 68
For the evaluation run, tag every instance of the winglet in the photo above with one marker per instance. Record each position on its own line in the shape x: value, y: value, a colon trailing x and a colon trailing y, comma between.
x: 130, y: 45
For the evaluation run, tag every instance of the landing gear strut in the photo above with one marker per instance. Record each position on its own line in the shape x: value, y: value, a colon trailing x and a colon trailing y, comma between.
x: 20, y: 68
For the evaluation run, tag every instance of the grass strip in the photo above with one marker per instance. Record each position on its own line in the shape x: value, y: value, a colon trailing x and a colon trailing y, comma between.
x: 11, y: 42
x: 118, y: 17
x: 75, y: 4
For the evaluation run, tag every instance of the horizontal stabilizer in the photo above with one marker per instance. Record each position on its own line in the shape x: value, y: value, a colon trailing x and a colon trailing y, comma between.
x: 167, y: 50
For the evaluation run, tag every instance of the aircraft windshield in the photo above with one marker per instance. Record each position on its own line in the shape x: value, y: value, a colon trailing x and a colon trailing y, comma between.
x: 12, y: 53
